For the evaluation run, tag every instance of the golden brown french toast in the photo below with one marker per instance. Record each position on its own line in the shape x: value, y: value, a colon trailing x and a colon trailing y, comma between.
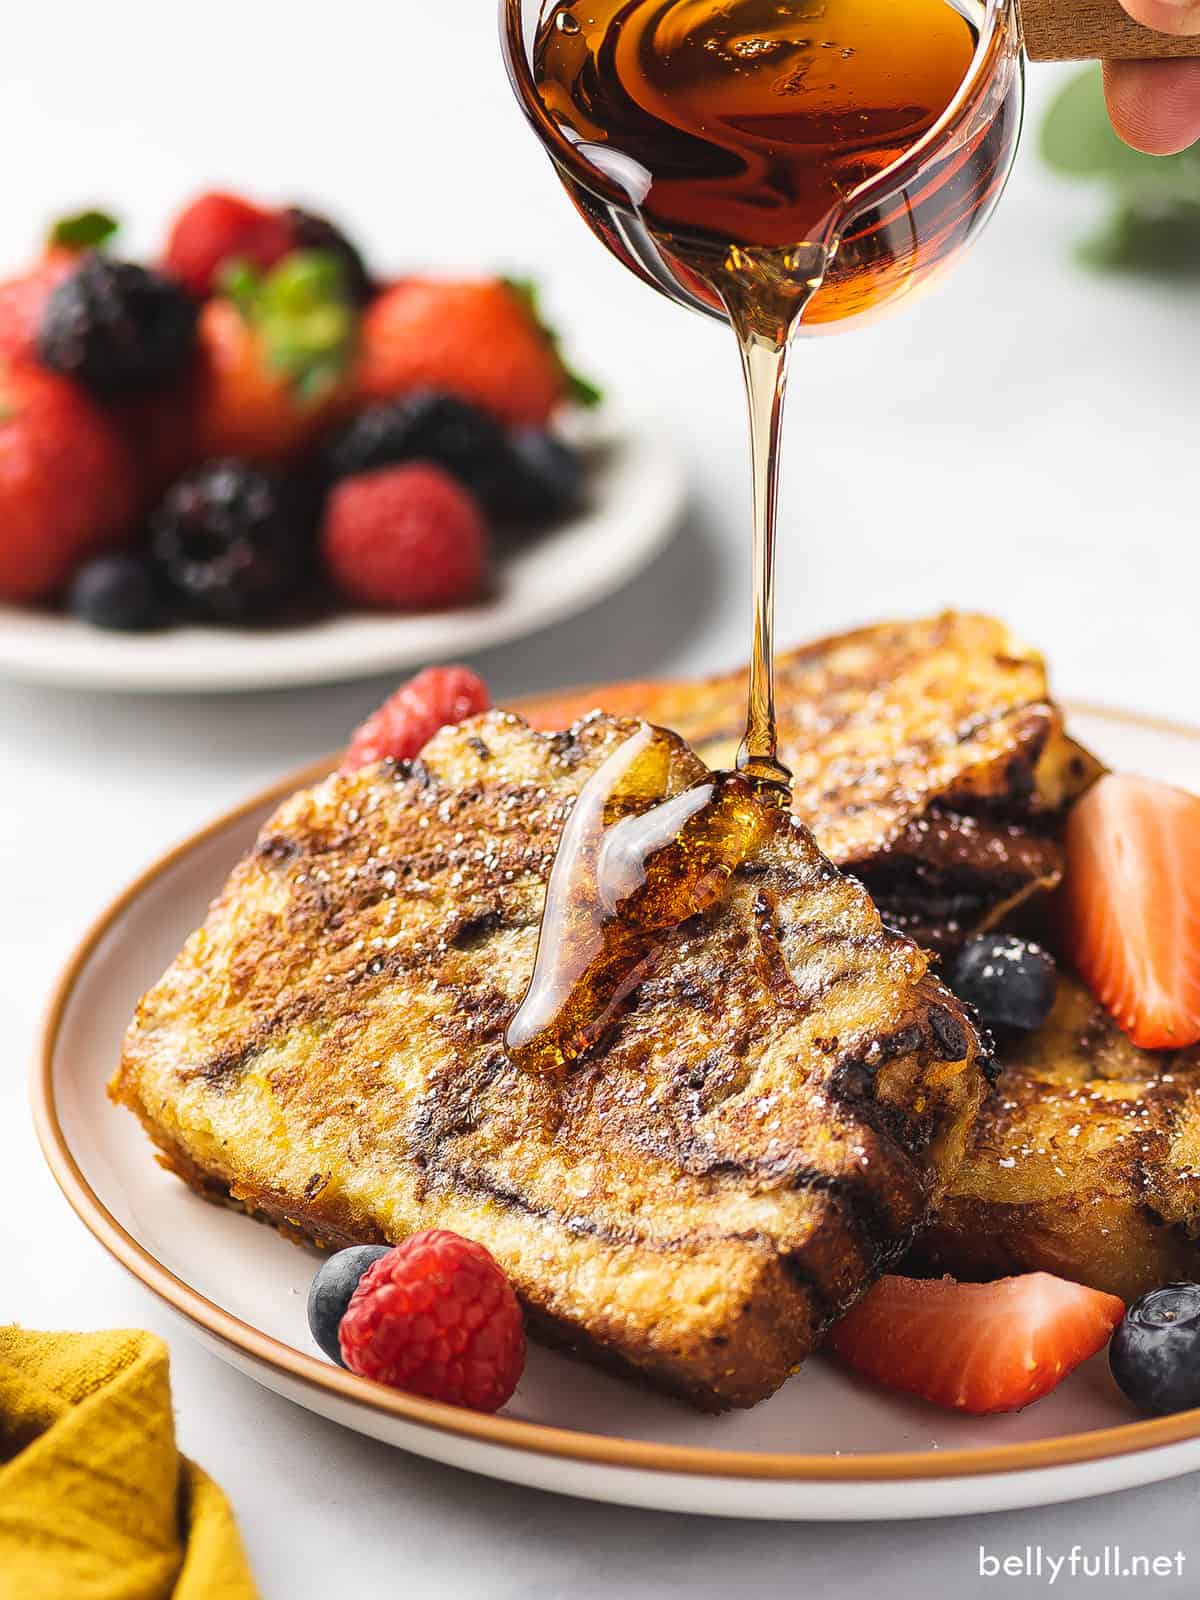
x: 927, y: 757
x: 761, y: 1133
x: 1086, y: 1157
x: 1085, y: 1161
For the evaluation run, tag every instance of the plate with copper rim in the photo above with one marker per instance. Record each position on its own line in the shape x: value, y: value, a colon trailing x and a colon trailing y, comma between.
x: 826, y: 1447
x: 633, y: 504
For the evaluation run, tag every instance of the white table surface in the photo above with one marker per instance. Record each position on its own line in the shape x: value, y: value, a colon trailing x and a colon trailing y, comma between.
x: 1025, y: 441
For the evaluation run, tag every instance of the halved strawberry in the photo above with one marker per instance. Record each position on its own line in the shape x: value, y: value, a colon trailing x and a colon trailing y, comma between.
x: 618, y: 699
x: 978, y: 1347
x: 1131, y: 906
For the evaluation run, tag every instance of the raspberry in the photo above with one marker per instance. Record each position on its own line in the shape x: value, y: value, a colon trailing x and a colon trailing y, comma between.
x: 217, y: 229
x: 437, y: 698
x: 405, y: 539
x: 437, y: 1317
x: 116, y: 328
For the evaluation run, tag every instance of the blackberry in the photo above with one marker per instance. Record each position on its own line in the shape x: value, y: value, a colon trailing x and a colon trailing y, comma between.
x: 312, y: 232
x: 544, y: 478
x: 118, y: 592
x: 116, y: 328
x: 432, y: 427
x: 227, y: 543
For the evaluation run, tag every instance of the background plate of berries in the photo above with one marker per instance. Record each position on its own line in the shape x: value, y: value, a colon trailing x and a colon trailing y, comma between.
x: 252, y: 463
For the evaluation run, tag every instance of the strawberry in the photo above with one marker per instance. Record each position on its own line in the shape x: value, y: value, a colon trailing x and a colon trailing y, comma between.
x: 1131, y: 906
x: 482, y: 341
x: 978, y: 1347
x: 217, y: 229
x: 271, y: 372
x: 404, y: 724
x: 23, y: 301
x: 405, y: 538
x: 67, y: 485
x: 618, y: 699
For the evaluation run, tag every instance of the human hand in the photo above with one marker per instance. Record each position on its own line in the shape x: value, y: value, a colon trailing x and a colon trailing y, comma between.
x: 1155, y: 105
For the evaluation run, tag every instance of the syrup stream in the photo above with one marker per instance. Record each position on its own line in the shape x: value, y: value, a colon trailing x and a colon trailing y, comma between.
x: 634, y: 864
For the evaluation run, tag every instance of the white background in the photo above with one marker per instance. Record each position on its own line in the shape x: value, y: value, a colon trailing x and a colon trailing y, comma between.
x: 1024, y: 441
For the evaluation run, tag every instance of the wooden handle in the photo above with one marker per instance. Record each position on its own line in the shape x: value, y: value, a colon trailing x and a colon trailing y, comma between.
x: 1095, y: 30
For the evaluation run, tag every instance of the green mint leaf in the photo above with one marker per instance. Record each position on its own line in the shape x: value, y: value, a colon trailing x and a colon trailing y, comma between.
x: 89, y: 230
x: 581, y: 390
x: 1157, y: 198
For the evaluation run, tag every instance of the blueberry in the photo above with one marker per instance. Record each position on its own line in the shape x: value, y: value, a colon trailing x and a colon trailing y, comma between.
x: 544, y: 479
x: 331, y: 1291
x: 1011, y: 982
x: 116, y: 592
x: 1155, y: 1352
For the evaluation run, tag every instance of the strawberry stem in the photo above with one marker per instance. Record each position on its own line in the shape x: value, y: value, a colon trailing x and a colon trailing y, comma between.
x: 581, y: 390
x: 303, y: 311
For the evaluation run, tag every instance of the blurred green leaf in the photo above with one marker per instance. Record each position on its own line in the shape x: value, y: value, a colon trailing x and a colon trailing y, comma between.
x: 1077, y: 137
x: 1167, y: 245
x: 1157, y: 223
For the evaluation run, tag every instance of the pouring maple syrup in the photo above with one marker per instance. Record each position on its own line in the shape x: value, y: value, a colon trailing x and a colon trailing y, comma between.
x: 719, y: 148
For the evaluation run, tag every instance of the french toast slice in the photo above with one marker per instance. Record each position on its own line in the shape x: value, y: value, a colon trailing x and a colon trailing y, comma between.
x: 1085, y: 1161
x: 762, y: 1132
x: 928, y: 758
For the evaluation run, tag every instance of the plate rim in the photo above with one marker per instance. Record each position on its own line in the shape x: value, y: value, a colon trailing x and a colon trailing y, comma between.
x: 543, y: 1439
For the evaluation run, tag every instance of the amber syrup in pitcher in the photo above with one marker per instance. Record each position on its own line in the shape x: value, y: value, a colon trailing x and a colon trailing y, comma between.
x: 717, y: 146
x: 696, y: 125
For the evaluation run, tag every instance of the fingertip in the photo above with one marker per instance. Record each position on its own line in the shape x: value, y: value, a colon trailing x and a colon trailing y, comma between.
x: 1166, y: 16
x: 1154, y: 105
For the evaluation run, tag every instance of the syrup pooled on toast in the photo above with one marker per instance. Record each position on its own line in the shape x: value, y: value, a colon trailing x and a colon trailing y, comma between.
x: 631, y: 866
x: 737, y: 133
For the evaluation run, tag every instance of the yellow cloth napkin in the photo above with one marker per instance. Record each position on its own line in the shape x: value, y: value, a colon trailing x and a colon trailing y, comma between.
x: 96, y: 1503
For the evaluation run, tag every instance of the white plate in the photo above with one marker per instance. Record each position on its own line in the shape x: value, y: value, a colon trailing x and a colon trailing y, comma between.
x: 824, y: 1447
x: 635, y: 498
